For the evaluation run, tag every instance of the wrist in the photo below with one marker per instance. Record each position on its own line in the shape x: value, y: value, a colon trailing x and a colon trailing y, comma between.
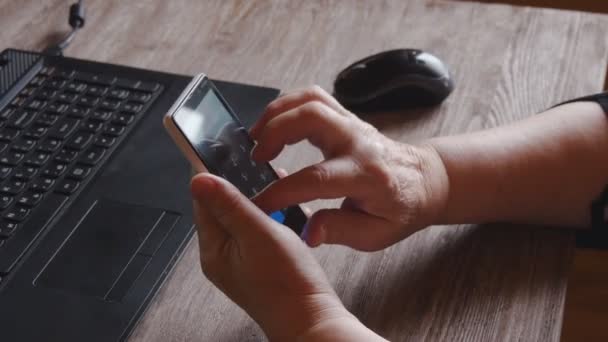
x: 436, y: 185
x: 293, y: 318
x: 338, y: 329
x: 473, y: 178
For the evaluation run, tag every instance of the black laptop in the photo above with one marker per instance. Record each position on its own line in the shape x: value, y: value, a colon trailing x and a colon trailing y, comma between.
x: 94, y: 197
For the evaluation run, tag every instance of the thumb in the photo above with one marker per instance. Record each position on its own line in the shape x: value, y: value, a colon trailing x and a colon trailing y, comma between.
x: 235, y: 213
x: 347, y: 227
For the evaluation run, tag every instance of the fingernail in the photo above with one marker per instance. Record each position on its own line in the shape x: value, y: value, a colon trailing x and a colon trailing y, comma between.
x: 253, y: 150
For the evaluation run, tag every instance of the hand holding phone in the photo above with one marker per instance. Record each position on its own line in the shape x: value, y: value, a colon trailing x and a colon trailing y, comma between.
x: 212, y: 138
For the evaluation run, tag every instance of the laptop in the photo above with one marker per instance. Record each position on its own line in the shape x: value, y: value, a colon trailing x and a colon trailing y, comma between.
x: 94, y: 196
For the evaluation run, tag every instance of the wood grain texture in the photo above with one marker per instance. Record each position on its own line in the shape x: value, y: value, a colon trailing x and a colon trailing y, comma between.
x: 465, y: 283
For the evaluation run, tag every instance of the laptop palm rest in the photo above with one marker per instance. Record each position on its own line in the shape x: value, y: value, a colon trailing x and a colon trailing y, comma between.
x: 106, y: 251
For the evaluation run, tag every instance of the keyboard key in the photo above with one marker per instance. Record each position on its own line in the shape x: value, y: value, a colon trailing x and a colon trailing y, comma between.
x: 15, y: 247
x: 29, y: 199
x: 46, y: 119
x: 36, y: 104
x: 137, y: 85
x: 46, y: 94
x: 42, y: 184
x: 127, y: 84
x: 101, y: 115
x: 92, y: 156
x: 7, y: 228
x: 63, y: 74
x: 78, y: 111
x: 66, y: 156
x: 28, y: 91
x: 97, y: 91
x: 79, y: 172
x: 67, y: 186
x: 55, y: 84
x: 66, y: 97
x: 104, y: 141
x: 119, y: 94
x: 37, y: 158
x: 6, y: 113
x: 88, y: 101
x: 3, y: 146
x: 113, y: 130
x: 18, y: 101
x: 109, y: 104
x: 5, y: 171
x: 35, y: 131
x: 140, y: 97
x: 54, y: 170
x: 92, y: 126
x: 57, y: 108
x: 12, y: 187
x: 95, y: 79
x: 21, y: 119
x: 38, y: 80
x: 76, y: 87
x: 25, y: 173
x: 132, y: 108
x: 123, y: 119
x: 24, y: 145
x: 79, y: 141
x: 64, y: 128
x: 49, y: 145
x: 47, y: 70
x: 8, y: 134
x: 16, y: 214
x: 11, y: 158
x: 5, y: 201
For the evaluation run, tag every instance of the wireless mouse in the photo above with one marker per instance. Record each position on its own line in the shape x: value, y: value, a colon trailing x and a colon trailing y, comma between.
x: 393, y: 80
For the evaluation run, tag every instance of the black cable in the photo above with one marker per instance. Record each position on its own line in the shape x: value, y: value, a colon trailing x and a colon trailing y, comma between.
x: 76, y: 21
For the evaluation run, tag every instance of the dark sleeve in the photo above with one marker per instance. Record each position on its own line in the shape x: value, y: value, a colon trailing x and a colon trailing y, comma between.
x: 601, y: 99
x: 597, y: 236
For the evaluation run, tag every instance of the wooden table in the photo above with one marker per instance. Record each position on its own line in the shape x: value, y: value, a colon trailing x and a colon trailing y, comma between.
x: 446, y: 283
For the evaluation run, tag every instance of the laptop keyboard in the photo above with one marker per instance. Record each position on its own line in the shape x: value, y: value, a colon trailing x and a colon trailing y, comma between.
x: 53, y: 135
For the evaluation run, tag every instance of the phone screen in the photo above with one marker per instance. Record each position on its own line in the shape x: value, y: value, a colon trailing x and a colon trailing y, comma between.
x: 224, y: 146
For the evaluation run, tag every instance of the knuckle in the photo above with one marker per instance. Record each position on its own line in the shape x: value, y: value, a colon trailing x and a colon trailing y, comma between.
x: 314, y: 110
x: 363, y: 129
x: 381, y: 174
x: 377, y: 167
x: 279, y: 102
x: 320, y: 174
x: 315, y: 92
x: 271, y: 126
x: 273, y: 106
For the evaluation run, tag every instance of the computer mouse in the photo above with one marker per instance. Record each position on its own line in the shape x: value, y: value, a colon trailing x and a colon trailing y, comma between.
x: 393, y: 80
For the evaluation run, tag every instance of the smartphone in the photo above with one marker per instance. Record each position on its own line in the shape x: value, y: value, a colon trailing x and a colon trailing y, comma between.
x: 212, y: 138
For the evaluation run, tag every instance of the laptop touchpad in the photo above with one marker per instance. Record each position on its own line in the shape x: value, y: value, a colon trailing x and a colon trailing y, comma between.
x: 104, y: 247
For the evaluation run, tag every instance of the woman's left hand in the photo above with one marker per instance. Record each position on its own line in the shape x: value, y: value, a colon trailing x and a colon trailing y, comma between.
x: 262, y: 265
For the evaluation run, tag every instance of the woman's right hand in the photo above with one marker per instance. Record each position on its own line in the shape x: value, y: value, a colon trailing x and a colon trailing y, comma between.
x: 391, y: 189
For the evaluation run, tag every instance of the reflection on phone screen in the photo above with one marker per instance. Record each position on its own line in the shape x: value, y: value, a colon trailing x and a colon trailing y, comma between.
x: 223, y: 144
